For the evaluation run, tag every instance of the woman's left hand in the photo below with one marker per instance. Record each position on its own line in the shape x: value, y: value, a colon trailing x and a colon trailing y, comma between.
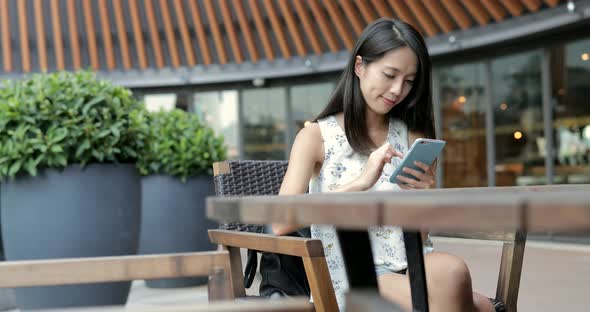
x: 421, y: 180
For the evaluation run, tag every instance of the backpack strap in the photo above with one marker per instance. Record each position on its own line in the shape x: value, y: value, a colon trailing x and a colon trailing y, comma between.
x: 252, y: 259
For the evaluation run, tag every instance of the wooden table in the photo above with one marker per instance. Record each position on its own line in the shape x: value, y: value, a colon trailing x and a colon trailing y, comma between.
x: 531, y: 209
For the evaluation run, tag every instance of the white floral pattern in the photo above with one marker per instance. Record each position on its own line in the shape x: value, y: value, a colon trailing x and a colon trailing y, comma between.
x: 342, y: 165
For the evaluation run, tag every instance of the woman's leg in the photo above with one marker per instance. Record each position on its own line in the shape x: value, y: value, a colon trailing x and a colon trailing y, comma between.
x: 449, y: 286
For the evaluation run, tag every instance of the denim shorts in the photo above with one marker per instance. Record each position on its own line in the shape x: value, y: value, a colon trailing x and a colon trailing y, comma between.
x: 381, y: 269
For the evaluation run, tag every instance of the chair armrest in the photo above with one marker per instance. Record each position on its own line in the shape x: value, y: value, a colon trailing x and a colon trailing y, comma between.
x: 506, y: 236
x: 286, y: 245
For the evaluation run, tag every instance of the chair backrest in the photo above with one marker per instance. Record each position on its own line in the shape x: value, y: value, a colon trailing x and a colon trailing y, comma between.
x: 249, y: 177
x: 261, y: 177
x: 244, y: 178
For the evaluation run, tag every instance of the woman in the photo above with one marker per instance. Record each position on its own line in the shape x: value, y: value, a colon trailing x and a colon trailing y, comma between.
x: 381, y: 104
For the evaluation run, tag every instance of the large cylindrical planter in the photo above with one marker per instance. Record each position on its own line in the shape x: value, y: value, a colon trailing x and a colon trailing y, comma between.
x: 174, y: 220
x: 6, y: 295
x: 78, y: 212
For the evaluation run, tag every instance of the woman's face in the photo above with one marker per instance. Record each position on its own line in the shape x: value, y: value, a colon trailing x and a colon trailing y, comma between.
x: 387, y: 81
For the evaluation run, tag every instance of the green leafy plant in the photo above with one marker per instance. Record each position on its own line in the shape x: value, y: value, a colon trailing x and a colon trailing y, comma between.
x: 53, y: 120
x: 180, y: 145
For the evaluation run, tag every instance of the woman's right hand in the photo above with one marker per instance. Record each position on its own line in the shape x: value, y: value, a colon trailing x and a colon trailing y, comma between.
x: 374, y: 166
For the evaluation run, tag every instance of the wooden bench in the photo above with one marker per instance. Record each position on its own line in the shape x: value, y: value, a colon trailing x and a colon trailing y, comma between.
x: 286, y: 305
x: 215, y: 264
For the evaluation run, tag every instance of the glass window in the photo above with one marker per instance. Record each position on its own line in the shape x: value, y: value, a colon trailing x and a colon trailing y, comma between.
x: 570, y: 75
x: 265, y: 123
x: 219, y: 109
x: 464, y: 103
x: 518, y: 119
x: 307, y: 101
x: 162, y: 101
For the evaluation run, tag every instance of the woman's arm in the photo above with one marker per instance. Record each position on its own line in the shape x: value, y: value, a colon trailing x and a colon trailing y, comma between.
x: 307, y: 154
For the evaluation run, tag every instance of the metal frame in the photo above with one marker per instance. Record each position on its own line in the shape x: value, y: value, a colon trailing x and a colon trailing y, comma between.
x: 240, y: 123
x: 290, y: 131
x: 490, y: 125
x: 438, y: 127
x: 547, y: 114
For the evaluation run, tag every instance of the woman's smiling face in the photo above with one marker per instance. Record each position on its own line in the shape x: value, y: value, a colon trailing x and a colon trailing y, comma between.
x: 385, y: 82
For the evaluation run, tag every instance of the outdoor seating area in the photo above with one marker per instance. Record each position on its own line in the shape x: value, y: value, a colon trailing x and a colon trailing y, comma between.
x: 506, y: 209
x: 294, y: 155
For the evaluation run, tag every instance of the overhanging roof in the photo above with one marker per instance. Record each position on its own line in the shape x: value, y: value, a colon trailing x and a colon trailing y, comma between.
x: 167, y: 42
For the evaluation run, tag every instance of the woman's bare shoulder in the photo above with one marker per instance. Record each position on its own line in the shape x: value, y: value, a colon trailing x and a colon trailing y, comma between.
x: 309, y: 140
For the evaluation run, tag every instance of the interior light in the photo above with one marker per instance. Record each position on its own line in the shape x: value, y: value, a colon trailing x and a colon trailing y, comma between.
x: 571, y: 6
x: 518, y: 135
x: 503, y: 106
x: 585, y: 56
x: 587, y: 132
x: 307, y: 123
x: 462, y: 99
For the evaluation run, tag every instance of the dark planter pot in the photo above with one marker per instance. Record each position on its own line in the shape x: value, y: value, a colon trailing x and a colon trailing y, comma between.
x: 174, y: 220
x: 2, y: 258
x: 7, y: 301
x: 77, y: 212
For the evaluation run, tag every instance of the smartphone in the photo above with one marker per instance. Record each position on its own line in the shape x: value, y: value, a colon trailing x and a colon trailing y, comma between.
x: 424, y: 151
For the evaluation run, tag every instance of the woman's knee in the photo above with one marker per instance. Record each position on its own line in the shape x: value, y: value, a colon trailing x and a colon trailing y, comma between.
x: 449, y: 272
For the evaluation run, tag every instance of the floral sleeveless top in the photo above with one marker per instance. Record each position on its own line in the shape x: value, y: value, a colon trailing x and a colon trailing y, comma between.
x: 342, y: 165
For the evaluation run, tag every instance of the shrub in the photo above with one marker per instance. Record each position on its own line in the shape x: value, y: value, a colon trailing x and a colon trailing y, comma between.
x: 180, y: 145
x: 53, y: 120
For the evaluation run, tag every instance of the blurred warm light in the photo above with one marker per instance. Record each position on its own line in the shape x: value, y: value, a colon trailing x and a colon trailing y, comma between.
x: 458, y: 103
x: 307, y: 123
x: 518, y: 135
x: 587, y: 132
x: 585, y: 56
x: 503, y: 106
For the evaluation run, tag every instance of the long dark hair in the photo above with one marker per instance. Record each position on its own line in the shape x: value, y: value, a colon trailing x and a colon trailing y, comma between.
x: 415, y: 110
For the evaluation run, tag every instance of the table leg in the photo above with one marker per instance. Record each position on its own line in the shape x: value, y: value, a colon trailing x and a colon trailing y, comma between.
x: 415, y: 256
x: 363, y: 294
x: 358, y: 258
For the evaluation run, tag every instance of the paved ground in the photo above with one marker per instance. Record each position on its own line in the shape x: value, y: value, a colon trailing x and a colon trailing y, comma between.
x: 556, y: 277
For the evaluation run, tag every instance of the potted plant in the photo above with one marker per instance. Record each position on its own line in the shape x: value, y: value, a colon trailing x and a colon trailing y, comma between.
x: 177, y: 168
x: 70, y: 187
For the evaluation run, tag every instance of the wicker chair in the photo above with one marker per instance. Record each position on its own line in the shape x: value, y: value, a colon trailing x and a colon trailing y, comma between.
x: 264, y: 178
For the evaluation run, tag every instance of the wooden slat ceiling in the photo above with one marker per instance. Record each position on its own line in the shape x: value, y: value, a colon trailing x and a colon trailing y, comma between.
x: 123, y: 35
